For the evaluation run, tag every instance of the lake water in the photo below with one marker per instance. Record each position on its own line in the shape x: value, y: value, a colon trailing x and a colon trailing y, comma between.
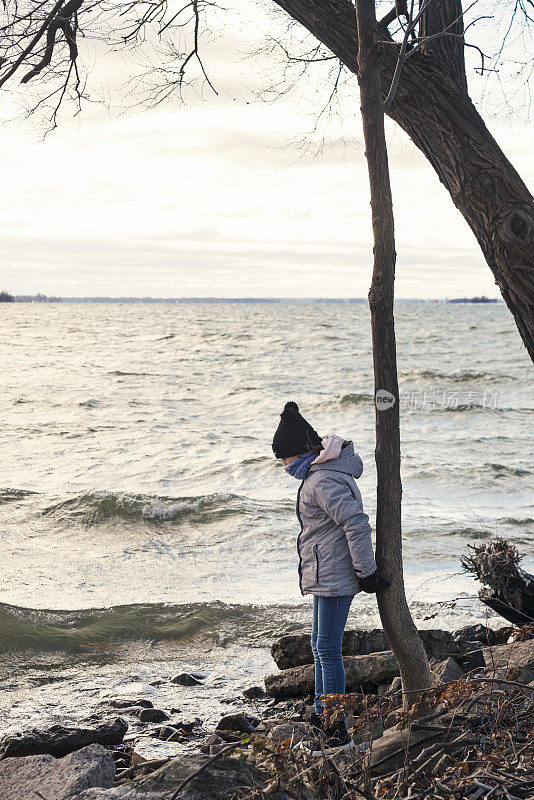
x: 140, y: 499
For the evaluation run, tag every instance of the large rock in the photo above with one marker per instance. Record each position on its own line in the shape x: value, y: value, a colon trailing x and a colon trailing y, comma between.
x: 391, y: 751
x: 219, y: 781
x: 476, y: 633
x: 446, y: 671
x: 517, y: 658
x: 472, y: 661
x: 56, y: 779
x: 153, y: 715
x: 294, y: 650
x: 289, y: 732
x: 243, y: 723
x: 375, y: 669
x: 438, y: 644
x: 59, y: 741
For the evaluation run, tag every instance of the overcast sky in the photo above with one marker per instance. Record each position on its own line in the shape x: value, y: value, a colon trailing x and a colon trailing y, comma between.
x: 227, y: 196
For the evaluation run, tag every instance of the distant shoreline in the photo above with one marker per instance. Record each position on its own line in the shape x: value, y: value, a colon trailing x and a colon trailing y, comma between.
x: 186, y: 300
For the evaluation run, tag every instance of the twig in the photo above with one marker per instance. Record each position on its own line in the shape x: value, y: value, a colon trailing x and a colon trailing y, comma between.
x: 156, y: 763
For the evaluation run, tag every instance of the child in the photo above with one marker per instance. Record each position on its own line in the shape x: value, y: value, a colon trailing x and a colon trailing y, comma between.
x: 336, y: 558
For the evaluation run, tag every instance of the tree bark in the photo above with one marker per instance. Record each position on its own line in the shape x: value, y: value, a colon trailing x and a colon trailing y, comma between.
x: 448, y: 51
x: 396, y: 619
x: 433, y: 107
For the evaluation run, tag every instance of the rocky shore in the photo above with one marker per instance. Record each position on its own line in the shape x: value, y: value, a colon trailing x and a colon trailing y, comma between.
x: 473, y: 737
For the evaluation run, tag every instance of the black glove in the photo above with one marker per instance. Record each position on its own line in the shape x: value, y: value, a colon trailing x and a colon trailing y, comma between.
x: 374, y: 583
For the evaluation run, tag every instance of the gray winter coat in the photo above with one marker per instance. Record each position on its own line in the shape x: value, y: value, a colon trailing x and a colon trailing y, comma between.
x: 334, y: 543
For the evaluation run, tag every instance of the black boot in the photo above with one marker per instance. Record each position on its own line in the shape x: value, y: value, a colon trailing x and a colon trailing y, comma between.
x: 316, y: 722
x: 337, y: 734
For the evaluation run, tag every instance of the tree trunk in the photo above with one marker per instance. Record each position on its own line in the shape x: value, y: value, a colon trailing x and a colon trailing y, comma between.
x: 398, y: 625
x: 432, y: 105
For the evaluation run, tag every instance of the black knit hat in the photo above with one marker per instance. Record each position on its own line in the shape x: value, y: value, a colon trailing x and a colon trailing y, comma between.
x: 294, y: 435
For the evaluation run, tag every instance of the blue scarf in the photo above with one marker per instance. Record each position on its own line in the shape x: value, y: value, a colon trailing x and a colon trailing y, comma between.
x: 301, y: 465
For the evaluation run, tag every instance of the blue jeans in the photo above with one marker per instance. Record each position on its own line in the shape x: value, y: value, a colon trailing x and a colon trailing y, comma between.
x: 329, y: 620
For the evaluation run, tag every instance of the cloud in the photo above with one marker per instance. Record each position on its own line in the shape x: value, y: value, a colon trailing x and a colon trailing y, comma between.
x: 227, y: 197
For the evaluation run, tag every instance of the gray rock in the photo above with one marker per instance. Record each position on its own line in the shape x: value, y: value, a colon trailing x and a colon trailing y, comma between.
x: 56, y: 779
x: 238, y: 722
x: 153, y: 715
x: 393, y: 741
x: 372, y: 669
x: 185, y: 679
x: 501, y: 659
x: 170, y: 734
x: 133, y: 711
x: 59, y: 741
x: 475, y: 633
x: 213, y: 740
x: 446, y: 671
x: 472, y: 661
x: 125, y: 792
x: 219, y: 781
x: 391, y: 719
x: 367, y: 736
x: 294, y: 650
x: 254, y: 693
x: 438, y: 644
x: 289, y: 731
x: 394, y: 693
x: 375, y: 668
x: 525, y: 676
x: 185, y: 727
x: 121, y: 702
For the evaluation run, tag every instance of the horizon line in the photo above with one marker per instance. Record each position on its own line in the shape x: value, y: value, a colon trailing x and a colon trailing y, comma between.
x: 259, y: 299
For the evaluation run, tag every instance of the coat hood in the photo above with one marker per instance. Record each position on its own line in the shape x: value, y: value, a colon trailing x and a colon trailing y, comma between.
x: 348, y: 461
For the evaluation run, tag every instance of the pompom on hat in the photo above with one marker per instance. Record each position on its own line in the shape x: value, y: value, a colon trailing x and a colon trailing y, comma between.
x: 294, y: 434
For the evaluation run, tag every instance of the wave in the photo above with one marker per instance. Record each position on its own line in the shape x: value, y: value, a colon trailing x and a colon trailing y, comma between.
x: 467, y: 471
x: 501, y: 470
x: 460, y: 376
x: 469, y: 533
x: 32, y: 629
x: 11, y: 495
x: 119, y: 372
x: 356, y: 399
x: 91, y: 403
x: 242, y: 390
x: 461, y: 407
x: 98, y: 507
